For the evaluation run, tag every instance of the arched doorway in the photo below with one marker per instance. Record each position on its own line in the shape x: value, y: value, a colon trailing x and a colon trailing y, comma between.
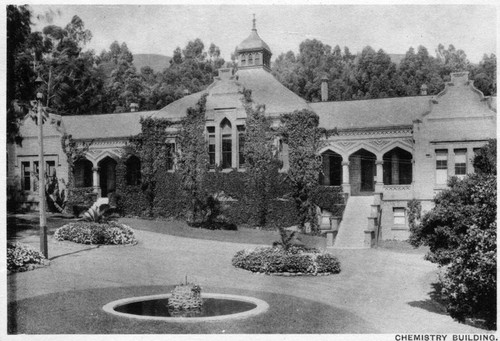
x: 107, y: 176
x: 332, y: 169
x: 82, y: 173
x: 362, y: 172
x: 397, y: 167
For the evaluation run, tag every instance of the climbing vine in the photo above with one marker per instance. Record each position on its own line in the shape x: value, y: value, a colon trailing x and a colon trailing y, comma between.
x: 261, y: 163
x: 301, y: 132
x: 76, y: 199
x: 193, y: 160
x: 150, y: 146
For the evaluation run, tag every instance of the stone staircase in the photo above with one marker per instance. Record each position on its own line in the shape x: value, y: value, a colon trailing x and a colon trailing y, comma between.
x: 355, y: 223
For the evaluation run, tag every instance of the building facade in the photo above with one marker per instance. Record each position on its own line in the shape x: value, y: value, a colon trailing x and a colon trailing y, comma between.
x: 387, y: 151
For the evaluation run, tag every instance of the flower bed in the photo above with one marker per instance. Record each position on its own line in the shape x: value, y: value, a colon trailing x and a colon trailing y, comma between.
x: 22, y: 257
x: 292, y: 262
x: 96, y: 233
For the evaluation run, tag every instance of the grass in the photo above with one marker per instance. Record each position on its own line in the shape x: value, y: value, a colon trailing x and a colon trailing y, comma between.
x: 29, y: 224
x: 80, y: 312
x: 402, y: 246
x: 242, y: 235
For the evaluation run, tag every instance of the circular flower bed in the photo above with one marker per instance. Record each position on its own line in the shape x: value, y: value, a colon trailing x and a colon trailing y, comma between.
x: 21, y: 257
x: 294, y: 261
x: 112, y: 233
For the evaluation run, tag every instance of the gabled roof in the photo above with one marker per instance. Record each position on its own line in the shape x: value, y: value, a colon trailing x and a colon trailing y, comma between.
x: 104, y: 126
x: 371, y: 113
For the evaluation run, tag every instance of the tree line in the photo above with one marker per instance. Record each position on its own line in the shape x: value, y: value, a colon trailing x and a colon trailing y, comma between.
x: 79, y: 81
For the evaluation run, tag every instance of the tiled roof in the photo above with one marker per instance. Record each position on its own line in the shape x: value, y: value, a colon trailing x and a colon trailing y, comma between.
x: 252, y: 43
x: 104, y: 126
x: 371, y: 113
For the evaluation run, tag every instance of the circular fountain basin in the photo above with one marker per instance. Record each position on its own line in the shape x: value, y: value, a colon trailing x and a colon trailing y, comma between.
x: 216, y: 307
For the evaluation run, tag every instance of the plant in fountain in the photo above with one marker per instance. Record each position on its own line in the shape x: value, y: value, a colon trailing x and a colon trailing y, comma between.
x: 186, y: 300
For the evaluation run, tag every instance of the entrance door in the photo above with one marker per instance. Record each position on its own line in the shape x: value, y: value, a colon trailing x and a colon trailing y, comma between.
x: 107, y: 173
x: 367, y: 176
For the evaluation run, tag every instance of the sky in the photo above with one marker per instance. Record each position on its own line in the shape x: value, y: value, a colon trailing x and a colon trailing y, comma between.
x: 160, y: 29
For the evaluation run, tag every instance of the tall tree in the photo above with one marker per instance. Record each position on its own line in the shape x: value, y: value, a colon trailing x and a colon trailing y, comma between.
x: 20, y: 75
x: 485, y: 75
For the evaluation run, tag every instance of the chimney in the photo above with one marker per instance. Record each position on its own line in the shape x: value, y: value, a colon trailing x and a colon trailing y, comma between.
x: 134, y: 107
x: 423, y: 90
x: 324, y: 89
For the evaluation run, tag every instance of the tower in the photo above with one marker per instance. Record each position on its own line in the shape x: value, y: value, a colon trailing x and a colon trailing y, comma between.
x: 253, y: 52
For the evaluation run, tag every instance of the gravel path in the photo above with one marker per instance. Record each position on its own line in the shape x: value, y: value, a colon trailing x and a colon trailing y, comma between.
x: 388, y: 290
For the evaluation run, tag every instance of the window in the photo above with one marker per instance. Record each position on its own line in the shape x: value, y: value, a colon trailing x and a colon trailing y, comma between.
x: 133, y: 165
x: 50, y: 169
x: 250, y: 59
x: 226, y: 151
x: 227, y: 144
x: 243, y: 60
x: 170, y: 157
x: 26, y: 176
x: 460, y: 162
x: 211, y: 146
x: 257, y: 59
x: 441, y: 166
x: 399, y: 216
x: 241, y: 146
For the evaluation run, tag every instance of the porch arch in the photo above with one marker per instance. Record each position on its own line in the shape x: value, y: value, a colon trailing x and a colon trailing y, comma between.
x: 107, y: 175
x: 398, y: 167
x: 362, y: 171
x: 332, y: 168
x: 82, y: 173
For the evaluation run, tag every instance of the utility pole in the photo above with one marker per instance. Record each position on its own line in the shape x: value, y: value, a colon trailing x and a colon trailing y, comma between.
x: 41, y: 176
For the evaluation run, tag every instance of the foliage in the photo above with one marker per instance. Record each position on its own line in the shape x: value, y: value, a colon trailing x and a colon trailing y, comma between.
x: 261, y: 163
x: 277, y: 260
x: 465, y: 203
x: 77, y: 199
x: 414, y: 213
x: 461, y: 234
x: 287, y: 239
x: 329, y: 198
x: 485, y: 161
x: 20, y: 76
x: 94, y: 233
x: 193, y: 161
x: 96, y: 214
x: 21, y: 257
x: 149, y: 147
x: 470, y: 282
x: 485, y: 75
x: 300, y: 131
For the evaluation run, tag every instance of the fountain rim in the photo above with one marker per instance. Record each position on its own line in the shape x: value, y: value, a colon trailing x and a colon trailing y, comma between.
x: 261, y: 307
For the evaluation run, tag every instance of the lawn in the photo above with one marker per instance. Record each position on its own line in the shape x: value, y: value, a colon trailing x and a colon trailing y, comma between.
x: 80, y: 312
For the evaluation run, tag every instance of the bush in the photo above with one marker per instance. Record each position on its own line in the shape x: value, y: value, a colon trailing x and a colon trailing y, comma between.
x: 469, y: 284
x: 22, y: 257
x: 277, y: 260
x: 95, y: 233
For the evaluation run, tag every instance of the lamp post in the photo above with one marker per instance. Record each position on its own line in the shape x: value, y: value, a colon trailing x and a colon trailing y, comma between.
x: 41, y: 174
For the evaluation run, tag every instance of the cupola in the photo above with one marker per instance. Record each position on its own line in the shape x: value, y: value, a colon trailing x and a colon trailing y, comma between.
x: 253, y: 52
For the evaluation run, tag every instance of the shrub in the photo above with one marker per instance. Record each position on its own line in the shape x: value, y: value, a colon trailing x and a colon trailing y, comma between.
x: 96, y: 233
x: 277, y: 260
x: 22, y: 257
x: 469, y: 284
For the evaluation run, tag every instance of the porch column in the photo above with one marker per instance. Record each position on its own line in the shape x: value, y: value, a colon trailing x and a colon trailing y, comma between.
x: 95, y: 180
x: 395, y: 169
x: 379, y: 185
x: 346, y: 186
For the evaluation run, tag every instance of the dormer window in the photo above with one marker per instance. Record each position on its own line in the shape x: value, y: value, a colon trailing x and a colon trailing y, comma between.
x: 243, y: 59
x: 250, y: 59
x: 257, y: 59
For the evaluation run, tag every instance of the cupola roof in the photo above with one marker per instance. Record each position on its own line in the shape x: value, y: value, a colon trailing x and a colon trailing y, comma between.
x: 253, y: 43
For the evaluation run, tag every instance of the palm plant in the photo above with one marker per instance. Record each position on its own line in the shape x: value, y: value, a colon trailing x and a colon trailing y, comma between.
x: 96, y: 214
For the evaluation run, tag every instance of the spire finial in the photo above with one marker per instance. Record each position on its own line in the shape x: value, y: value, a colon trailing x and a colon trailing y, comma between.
x: 254, y: 22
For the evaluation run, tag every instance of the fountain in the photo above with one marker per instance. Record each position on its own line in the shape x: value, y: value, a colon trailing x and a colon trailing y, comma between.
x: 186, y: 303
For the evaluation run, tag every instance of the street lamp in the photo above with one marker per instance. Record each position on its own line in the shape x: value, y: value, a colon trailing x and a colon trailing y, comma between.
x: 41, y: 173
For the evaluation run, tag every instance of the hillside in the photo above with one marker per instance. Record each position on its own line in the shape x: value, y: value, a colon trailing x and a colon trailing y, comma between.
x: 157, y: 62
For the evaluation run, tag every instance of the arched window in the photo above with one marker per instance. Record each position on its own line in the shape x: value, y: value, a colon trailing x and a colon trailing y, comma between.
x: 250, y: 59
x: 227, y: 143
x: 82, y: 172
x: 133, y: 165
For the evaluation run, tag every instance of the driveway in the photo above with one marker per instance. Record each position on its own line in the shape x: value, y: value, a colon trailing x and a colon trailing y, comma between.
x: 388, y: 290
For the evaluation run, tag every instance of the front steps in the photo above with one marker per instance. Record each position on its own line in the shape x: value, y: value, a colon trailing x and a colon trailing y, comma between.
x: 359, y: 222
